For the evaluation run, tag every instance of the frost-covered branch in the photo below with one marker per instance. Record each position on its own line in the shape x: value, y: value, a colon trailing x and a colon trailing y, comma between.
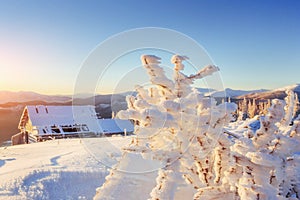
x: 206, y: 71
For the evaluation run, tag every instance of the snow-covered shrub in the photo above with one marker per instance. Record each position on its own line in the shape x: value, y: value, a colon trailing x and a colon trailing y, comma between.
x: 182, y: 130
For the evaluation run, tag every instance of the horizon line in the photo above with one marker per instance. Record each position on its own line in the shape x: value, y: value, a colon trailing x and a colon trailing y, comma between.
x: 107, y: 93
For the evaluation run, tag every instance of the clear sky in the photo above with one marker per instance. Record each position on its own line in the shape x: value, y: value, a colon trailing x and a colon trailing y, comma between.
x: 43, y: 43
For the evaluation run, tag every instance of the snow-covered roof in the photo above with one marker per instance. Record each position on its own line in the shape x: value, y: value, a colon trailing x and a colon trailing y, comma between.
x: 60, y: 115
x: 115, y: 125
x: 47, y: 116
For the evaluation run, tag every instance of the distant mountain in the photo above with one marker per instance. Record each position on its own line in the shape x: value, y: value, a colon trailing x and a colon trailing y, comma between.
x: 233, y: 93
x: 101, y: 99
x: 29, y: 103
x: 272, y: 94
x: 8, y: 99
x: 205, y: 90
x: 7, y: 96
x: 295, y: 88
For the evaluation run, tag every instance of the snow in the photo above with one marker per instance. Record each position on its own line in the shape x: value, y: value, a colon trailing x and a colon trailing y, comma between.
x: 115, y: 126
x: 241, y: 127
x: 140, y: 180
x: 49, y: 115
x: 58, y: 169
x: 75, y: 169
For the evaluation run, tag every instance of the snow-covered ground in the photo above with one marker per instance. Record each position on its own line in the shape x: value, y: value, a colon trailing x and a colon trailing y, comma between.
x: 58, y: 169
x: 74, y: 169
x: 77, y: 168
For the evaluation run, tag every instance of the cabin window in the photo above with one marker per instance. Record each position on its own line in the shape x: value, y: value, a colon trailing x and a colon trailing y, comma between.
x: 36, y: 110
x: 69, y: 129
x: 55, y: 129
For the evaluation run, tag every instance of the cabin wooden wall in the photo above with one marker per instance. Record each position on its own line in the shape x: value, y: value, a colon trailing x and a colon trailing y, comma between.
x: 19, y: 138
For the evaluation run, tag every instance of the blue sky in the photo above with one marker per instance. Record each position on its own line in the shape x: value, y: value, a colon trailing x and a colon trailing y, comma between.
x: 43, y: 43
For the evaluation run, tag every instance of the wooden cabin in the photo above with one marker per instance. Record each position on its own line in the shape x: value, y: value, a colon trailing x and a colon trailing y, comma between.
x: 39, y: 123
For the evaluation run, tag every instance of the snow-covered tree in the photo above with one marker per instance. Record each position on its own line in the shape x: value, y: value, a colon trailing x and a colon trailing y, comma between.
x: 296, y: 108
x: 182, y: 130
x: 252, y: 108
x: 264, y: 158
x: 243, y: 106
x: 178, y: 126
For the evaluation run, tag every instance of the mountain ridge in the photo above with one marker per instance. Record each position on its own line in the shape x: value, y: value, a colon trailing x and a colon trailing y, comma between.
x: 279, y: 93
x: 8, y: 98
x: 228, y: 92
x: 24, y: 96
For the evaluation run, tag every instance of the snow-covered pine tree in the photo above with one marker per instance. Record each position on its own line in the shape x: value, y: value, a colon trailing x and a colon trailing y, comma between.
x: 261, y: 108
x: 243, y: 106
x: 296, y: 108
x: 179, y: 128
x: 290, y: 104
x: 252, y: 111
x: 199, y: 132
